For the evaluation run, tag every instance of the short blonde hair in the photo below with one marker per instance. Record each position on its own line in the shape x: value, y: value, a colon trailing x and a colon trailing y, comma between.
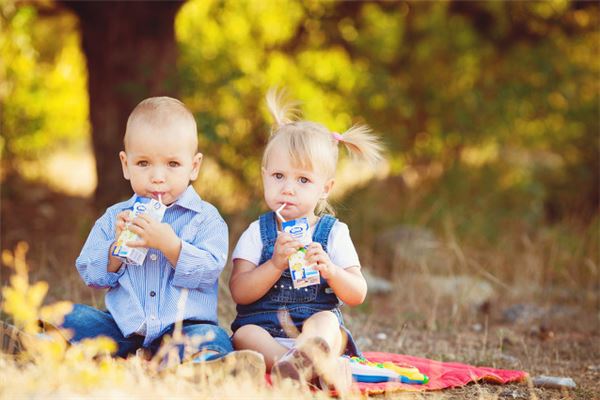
x: 160, y: 112
x: 311, y: 145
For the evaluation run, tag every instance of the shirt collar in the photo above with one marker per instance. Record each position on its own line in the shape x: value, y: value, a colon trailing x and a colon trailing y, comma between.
x: 188, y: 199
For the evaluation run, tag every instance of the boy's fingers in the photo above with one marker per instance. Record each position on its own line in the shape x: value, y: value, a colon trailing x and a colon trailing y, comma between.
x: 136, y: 243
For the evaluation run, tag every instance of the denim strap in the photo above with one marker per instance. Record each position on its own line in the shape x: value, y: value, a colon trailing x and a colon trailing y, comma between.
x: 322, y: 230
x: 268, y: 235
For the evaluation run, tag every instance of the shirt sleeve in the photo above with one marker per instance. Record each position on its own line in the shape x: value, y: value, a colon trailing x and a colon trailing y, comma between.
x: 92, y: 262
x: 249, y: 246
x: 201, y: 261
x: 341, y: 248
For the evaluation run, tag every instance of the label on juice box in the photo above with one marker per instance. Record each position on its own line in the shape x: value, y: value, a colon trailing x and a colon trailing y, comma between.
x: 136, y: 256
x: 302, y: 274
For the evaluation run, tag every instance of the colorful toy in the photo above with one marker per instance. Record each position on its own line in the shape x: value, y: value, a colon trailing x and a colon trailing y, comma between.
x: 364, y: 370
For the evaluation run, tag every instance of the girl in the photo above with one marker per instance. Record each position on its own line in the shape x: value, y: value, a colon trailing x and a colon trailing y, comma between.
x: 298, y: 169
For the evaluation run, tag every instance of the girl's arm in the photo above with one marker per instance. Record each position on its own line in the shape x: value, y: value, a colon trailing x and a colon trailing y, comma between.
x: 349, y: 285
x: 249, y: 283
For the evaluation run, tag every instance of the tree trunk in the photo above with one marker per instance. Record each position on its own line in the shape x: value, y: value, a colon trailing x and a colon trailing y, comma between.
x: 131, y: 54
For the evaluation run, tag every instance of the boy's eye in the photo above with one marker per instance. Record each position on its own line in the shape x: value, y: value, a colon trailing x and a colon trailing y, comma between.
x: 303, y: 179
x: 278, y: 175
x: 174, y: 164
x: 142, y: 163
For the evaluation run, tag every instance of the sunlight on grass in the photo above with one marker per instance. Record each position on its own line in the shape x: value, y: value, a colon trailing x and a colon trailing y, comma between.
x: 69, y: 172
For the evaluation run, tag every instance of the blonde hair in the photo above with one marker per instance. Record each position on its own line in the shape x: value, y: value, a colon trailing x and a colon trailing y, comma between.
x: 311, y: 145
x: 161, y: 112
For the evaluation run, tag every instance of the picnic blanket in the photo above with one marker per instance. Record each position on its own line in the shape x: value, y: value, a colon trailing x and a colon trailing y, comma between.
x: 441, y: 375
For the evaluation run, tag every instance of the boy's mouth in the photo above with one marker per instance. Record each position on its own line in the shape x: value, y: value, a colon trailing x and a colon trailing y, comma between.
x: 157, y: 195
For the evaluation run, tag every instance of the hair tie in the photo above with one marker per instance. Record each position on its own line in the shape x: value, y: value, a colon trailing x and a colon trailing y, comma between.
x: 337, y: 137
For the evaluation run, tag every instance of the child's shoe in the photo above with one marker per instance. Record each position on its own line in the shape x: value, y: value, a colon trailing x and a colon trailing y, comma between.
x: 239, y: 363
x: 339, y: 377
x: 298, y: 364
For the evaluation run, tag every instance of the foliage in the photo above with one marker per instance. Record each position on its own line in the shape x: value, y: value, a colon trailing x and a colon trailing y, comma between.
x: 42, y: 83
x: 508, y: 90
x: 507, y: 86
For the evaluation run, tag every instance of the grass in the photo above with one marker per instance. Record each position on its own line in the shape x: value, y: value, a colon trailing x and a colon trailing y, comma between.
x: 451, y: 301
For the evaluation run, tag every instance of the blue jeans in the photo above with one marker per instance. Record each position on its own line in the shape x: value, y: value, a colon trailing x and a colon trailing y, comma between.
x: 88, y: 322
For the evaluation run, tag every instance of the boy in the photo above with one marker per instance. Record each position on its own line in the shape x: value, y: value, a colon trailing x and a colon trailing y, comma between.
x: 187, y: 250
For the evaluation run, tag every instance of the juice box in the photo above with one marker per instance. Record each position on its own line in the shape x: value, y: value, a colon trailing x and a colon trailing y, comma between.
x: 302, y: 274
x: 131, y: 255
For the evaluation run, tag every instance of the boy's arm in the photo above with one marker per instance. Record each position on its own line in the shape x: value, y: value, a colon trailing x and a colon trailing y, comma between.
x: 201, y: 261
x: 94, y: 263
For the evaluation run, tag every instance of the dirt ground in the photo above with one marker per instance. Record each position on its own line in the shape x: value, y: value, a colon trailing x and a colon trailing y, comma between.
x: 552, y: 333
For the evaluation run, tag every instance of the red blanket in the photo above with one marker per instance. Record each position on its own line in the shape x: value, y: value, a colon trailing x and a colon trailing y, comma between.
x: 441, y: 374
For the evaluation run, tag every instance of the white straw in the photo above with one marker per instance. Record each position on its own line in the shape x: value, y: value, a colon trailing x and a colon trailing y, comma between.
x: 160, y: 198
x: 279, y: 210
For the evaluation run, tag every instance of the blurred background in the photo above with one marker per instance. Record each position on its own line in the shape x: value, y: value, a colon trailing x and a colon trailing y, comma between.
x: 489, y: 112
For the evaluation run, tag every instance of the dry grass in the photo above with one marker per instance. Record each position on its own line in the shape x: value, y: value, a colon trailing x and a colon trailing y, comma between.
x: 552, y: 273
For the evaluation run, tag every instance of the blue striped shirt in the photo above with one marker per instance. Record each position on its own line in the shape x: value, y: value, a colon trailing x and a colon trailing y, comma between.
x: 144, y: 298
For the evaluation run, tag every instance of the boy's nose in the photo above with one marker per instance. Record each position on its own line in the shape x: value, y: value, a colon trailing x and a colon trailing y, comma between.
x: 158, y: 175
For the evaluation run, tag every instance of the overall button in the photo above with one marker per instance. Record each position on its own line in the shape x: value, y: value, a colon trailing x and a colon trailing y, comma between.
x: 153, y: 257
x: 152, y: 293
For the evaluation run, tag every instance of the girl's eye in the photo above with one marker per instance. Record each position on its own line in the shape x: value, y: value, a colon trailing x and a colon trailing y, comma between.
x: 142, y: 163
x: 278, y: 175
x: 173, y: 164
x: 303, y: 180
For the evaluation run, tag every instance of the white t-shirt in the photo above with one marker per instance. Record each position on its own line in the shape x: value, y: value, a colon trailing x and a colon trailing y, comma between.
x: 340, y: 248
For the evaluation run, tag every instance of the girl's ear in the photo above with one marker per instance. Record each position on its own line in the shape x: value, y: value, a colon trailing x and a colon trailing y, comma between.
x: 196, y: 162
x: 123, y: 158
x: 327, y: 188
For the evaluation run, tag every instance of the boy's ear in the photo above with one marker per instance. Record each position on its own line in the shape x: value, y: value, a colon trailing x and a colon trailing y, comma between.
x: 123, y: 158
x: 196, y: 162
x: 327, y: 188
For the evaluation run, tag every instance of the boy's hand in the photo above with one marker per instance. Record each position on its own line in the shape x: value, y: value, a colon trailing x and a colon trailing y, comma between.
x: 285, y: 246
x: 122, y: 219
x: 316, y: 256
x: 152, y: 233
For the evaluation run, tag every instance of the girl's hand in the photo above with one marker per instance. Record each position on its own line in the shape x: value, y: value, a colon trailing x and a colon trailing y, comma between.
x: 123, y: 218
x: 152, y: 233
x: 316, y: 256
x: 285, y: 246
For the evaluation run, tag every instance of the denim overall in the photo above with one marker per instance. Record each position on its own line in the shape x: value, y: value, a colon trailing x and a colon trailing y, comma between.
x: 300, y: 303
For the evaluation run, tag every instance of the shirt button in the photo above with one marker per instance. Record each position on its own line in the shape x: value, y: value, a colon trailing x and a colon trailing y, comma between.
x: 153, y: 257
x: 152, y: 293
x: 153, y: 317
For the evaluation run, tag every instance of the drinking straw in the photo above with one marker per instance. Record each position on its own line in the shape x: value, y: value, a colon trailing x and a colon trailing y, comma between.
x: 279, y: 210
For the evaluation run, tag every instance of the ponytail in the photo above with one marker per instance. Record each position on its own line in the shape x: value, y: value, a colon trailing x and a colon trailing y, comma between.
x: 361, y: 143
x: 282, y: 109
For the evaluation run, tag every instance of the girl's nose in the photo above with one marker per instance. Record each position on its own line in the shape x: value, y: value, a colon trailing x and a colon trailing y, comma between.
x: 288, y: 188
